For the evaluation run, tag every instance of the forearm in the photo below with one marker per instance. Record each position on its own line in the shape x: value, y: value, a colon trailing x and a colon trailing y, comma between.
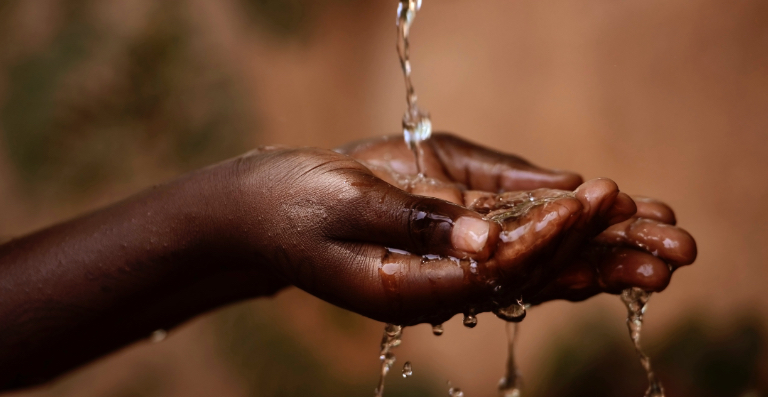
x: 80, y: 289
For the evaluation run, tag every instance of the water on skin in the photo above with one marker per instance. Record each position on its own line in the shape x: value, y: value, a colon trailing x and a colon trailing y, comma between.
x: 393, y: 336
x: 514, y: 313
x: 636, y: 299
x: 158, y: 336
x: 417, y: 125
x: 470, y: 320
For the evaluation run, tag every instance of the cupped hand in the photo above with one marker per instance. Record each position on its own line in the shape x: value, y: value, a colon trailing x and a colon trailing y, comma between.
x: 322, y: 221
x: 448, y: 158
x: 642, y: 251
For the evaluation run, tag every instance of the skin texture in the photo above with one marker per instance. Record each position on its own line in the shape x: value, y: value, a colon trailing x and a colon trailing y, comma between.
x: 323, y: 221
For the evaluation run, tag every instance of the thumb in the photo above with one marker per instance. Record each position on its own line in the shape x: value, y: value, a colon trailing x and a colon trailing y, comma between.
x: 391, y: 217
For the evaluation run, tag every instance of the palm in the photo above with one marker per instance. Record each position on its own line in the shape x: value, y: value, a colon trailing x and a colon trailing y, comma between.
x: 626, y: 254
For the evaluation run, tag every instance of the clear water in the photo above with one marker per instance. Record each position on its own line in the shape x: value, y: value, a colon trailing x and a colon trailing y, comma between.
x: 509, y: 385
x: 407, y: 369
x: 636, y: 299
x: 393, y: 336
x: 417, y: 126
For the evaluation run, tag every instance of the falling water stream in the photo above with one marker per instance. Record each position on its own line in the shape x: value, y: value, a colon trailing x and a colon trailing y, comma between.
x: 417, y: 127
x: 509, y: 385
x: 392, y: 338
x: 636, y: 299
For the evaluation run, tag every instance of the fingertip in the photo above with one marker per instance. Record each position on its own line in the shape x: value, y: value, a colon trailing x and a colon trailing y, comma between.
x: 567, y: 180
x: 623, y: 208
x: 654, y: 209
x: 597, y: 195
x: 672, y: 243
x: 688, y: 249
x: 439, y: 227
x: 470, y: 234
x: 623, y: 268
x: 531, y: 177
x: 533, y: 231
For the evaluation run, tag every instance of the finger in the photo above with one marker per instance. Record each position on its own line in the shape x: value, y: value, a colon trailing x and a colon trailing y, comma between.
x: 418, y: 185
x: 654, y: 209
x: 670, y: 243
x: 383, y: 214
x: 607, y: 269
x: 395, y: 286
x: 481, y: 168
x: 603, y: 205
x: 621, y: 268
x: 597, y: 198
x: 553, y: 230
x: 409, y: 287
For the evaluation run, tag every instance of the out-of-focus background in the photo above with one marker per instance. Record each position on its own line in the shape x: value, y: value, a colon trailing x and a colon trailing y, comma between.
x: 101, y: 98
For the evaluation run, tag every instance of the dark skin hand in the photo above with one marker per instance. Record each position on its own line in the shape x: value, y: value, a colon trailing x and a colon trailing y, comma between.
x: 321, y: 221
x: 641, y: 248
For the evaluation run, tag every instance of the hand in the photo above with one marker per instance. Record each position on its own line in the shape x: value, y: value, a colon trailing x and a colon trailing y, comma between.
x: 324, y: 222
x: 630, y: 254
x: 642, y: 251
x: 321, y: 221
x: 453, y: 160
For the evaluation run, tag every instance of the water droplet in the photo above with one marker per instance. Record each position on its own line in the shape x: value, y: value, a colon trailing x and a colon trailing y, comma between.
x: 470, y: 321
x: 514, y: 313
x: 407, y: 369
x: 438, y: 329
x: 454, y: 391
x: 392, y: 338
x: 158, y: 336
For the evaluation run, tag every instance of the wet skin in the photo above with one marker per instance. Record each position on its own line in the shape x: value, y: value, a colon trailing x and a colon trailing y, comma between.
x: 573, y: 247
x: 322, y: 221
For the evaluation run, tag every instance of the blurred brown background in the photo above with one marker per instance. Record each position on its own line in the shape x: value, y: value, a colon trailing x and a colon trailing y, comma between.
x: 101, y: 98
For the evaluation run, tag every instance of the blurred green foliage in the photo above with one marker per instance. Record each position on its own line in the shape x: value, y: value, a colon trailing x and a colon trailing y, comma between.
x: 287, y: 18
x: 692, y: 359
x: 272, y: 362
x: 82, y: 110
x: 282, y: 17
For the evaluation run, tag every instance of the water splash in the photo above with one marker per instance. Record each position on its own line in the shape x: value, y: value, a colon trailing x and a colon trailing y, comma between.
x: 636, y: 299
x: 393, y: 336
x: 407, y: 369
x: 454, y: 391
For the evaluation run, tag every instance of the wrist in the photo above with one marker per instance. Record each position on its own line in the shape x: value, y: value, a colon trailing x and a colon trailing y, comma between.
x: 226, y: 214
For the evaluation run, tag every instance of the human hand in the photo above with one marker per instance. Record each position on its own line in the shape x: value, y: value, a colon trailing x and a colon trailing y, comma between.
x: 324, y: 222
x: 453, y: 160
x: 321, y: 221
x: 640, y: 252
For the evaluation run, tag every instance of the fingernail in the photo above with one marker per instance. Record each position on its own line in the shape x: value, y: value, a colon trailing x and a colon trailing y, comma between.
x: 470, y: 234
